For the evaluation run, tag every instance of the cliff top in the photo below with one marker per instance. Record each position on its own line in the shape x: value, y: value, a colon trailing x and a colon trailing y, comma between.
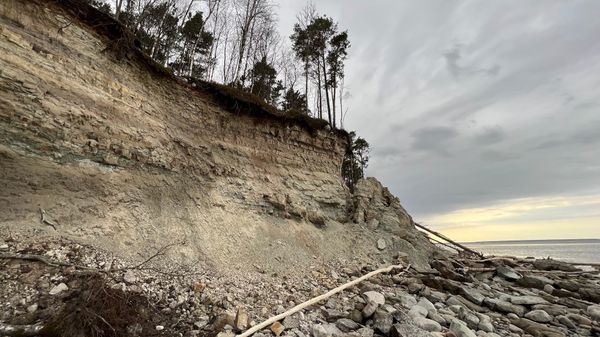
x: 122, y: 43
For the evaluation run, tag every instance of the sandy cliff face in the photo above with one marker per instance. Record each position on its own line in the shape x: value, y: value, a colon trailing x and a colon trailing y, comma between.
x: 124, y: 158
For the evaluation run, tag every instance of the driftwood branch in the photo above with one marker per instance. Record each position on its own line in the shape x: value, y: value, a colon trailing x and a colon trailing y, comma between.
x: 140, y: 266
x: 20, y: 330
x: 46, y: 221
x: 442, y: 236
x: 317, y: 299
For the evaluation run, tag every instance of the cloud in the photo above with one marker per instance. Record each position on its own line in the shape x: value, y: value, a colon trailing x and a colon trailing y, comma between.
x: 433, y: 139
x: 468, y: 104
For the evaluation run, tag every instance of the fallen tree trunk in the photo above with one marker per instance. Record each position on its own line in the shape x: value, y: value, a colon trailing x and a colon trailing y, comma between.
x: 439, y: 235
x: 317, y: 299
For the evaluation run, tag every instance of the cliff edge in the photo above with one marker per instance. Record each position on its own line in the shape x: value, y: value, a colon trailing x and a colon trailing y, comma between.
x: 117, y: 153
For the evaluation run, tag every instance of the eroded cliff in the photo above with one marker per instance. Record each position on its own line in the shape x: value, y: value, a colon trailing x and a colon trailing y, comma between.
x: 123, y: 156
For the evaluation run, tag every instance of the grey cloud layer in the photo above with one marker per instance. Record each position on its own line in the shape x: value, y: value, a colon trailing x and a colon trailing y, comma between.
x: 467, y: 103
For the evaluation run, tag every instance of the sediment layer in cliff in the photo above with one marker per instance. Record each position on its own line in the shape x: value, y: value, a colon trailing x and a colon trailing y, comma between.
x: 119, y: 153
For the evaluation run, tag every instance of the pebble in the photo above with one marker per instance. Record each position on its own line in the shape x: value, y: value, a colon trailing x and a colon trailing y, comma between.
x: 381, y: 244
x: 32, y: 308
x: 59, y: 289
x: 346, y: 325
x: 159, y: 327
x: 277, y: 328
x: 374, y: 296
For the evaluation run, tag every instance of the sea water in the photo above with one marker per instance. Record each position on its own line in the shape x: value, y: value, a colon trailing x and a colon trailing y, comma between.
x: 585, y: 251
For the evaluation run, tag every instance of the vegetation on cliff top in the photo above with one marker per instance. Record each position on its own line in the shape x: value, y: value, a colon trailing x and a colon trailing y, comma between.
x: 177, y: 40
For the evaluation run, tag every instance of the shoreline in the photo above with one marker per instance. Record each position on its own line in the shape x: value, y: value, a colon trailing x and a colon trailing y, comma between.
x: 458, y: 297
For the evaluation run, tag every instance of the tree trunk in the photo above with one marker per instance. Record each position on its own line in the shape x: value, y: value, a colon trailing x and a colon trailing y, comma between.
x: 327, y: 91
x: 118, y: 4
x: 158, y: 33
x: 306, y: 85
x: 319, y: 98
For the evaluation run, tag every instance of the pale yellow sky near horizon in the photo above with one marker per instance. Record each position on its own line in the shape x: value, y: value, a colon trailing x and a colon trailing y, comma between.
x: 528, y: 218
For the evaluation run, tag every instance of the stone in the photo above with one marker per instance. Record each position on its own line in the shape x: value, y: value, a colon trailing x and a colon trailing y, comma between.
x: 356, y: 316
x: 472, y: 295
x: 130, y: 277
x: 228, y: 333
x: 326, y: 330
x: 59, y: 289
x: 241, y: 320
x: 505, y: 306
x: 508, y: 273
x: 374, y: 296
x: 332, y: 314
x: 551, y: 309
x: 438, y: 318
x: 407, y: 300
x: 534, y: 281
x: 291, y: 322
x: 594, y: 312
x: 201, y: 322
x: 381, y: 244
x: 460, y: 329
x: 548, y: 264
x: 418, y: 311
x: 365, y: 332
x: 564, y: 320
x: 32, y: 308
x: 279, y: 309
x: 485, y: 323
x: 4, y: 246
x: 346, y: 325
x: 539, y: 316
x: 426, y: 304
x: 427, y: 324
x: 579, y: 319
x: 382, y: 321
x: 277, y: 328
x: 159, y: 327
x: 470, y: 318
x: 527, y: 300
x: 369, y: 309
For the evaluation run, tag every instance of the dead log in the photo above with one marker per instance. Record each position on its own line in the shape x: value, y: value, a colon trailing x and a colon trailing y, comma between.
x: 442, y: 236
x: 318, y: 299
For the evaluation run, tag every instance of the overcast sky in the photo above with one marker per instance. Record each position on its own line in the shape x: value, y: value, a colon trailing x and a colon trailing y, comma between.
x: 483, y: 116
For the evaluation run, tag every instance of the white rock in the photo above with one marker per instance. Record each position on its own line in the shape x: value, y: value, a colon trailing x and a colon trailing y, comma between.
x: 539, y: 316
x: 59, y: 289
x: 460, y: 329
x: 381, y: 244
x: 32, y: 308
x: 159, y: 327
x: 3, y: 246
x: 130, y: 277
x: 326, y: 330
x: 527, y: 300
x: 594, y: 312
x: 425, y: 303
x: 417, y: 311
x: 427, y: 324
x: 375, y: 297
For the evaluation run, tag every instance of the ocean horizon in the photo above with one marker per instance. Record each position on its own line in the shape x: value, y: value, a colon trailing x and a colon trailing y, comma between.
x: 569, y: 250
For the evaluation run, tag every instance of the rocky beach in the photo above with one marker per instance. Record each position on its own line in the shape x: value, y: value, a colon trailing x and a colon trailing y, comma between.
x: 460, y: 297
x: 137, y: 203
